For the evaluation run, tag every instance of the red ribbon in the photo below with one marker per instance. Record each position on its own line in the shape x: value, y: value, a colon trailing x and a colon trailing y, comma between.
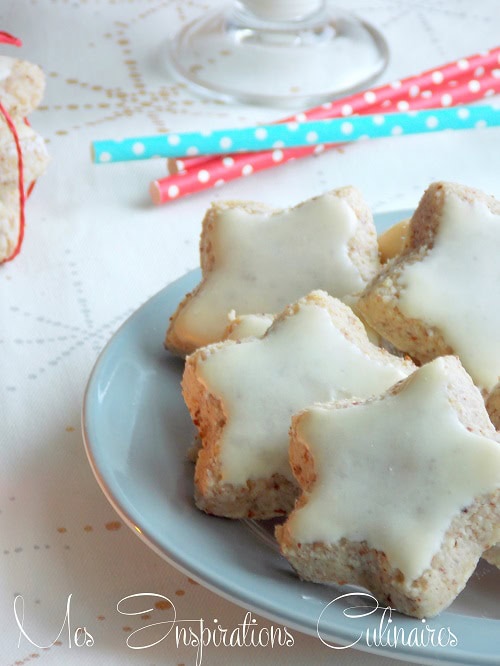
x: 6, y: 38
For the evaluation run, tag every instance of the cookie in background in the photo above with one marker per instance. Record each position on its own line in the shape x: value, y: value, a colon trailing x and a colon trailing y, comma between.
x: 21, y: 89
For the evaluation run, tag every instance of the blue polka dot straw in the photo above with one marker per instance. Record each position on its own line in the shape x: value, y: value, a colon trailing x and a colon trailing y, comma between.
x: 295, y: 134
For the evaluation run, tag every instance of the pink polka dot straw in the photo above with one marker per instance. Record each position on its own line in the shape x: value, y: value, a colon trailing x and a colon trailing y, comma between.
x: 459, y: 82
x: 447, y: 85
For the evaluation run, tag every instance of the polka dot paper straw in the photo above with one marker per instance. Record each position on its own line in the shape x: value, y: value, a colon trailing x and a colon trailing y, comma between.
x: 294, y: 134
x: 223, y: 170
x: 220, y: 170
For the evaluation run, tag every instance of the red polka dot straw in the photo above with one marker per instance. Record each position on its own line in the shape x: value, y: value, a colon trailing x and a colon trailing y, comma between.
x: 459, y: 82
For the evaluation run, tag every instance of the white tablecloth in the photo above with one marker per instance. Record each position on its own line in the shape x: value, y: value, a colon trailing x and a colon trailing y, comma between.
x: 96, y: 249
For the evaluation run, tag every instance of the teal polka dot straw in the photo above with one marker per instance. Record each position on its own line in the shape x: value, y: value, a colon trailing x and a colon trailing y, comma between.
x: 295, y: 134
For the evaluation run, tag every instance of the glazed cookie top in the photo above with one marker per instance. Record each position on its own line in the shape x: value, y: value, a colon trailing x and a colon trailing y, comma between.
x: 255, y: 259
x: 456, y: 287
x: 395, y: 470
x: 317, y: 350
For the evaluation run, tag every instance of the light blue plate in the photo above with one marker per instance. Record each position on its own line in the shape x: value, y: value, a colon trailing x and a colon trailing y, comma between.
x: 137, y: 431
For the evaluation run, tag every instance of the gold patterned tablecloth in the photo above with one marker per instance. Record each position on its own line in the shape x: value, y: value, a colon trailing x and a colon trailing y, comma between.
x: 96, y: 248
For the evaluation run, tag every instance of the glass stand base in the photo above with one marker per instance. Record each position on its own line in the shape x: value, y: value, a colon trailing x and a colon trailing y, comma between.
x: 234, y: 56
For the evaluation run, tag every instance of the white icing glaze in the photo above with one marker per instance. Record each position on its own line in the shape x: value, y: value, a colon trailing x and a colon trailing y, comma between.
x: 457, y: 287
x: 263, y: 261
x: 394, y: 472
x: 262, y: 382
x: 250, y: 326
x: 282, y: 10
x: 6, y: 64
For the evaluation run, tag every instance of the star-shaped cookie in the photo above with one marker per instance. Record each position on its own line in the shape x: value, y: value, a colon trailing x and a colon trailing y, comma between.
x: 442, y: 294
x: 401, y: 493
x: 256, y: 259
x: 242, y: 394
